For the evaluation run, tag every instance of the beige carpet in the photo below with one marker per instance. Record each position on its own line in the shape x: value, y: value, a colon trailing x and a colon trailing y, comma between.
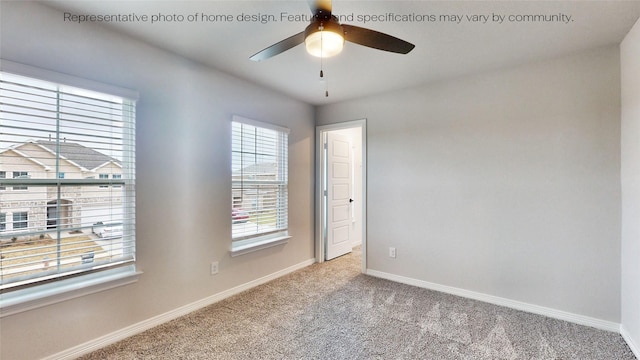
x: 331, y: 311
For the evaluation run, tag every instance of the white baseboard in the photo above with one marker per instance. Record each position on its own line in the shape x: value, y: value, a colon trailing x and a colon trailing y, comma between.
x: 134, y: 329
x: 518, y: 305
x: 627, y: 337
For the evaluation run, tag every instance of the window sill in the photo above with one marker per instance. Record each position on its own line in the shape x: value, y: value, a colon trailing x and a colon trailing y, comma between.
x: 17, y: 301
x: 237, y: 250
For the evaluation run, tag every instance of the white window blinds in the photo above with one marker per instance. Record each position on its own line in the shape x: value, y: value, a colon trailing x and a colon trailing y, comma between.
x: 61, y: 216
x: 259, y: 179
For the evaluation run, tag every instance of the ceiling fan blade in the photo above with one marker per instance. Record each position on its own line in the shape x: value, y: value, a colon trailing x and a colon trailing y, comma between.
x: 320, y: 8
x: 376, y: 40
x: 279, y: 47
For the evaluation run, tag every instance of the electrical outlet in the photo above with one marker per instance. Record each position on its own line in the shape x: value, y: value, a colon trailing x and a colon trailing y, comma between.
x: 214, y: 267
x: 392, y: 252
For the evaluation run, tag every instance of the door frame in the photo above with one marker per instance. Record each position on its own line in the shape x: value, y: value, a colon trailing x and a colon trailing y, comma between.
x: 320, y: 239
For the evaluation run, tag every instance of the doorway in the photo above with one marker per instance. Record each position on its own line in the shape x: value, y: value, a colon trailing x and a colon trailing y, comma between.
x: 340, y: 189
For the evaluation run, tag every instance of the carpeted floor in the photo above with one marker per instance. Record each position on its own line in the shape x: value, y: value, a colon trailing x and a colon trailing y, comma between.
x: 332, y: 311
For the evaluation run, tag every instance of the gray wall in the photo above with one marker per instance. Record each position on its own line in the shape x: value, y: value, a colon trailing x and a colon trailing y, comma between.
x: 183, y: 177
x: 630, y: 53
x: 505, y: 183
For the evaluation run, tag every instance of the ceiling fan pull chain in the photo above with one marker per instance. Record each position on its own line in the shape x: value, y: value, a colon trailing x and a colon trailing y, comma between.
x: 326, y: 83
x: 326, y: 87
x: 321, y: 52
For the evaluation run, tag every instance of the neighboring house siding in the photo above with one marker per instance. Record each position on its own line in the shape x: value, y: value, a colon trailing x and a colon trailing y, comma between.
x: 104, y: 203
x: 17, y: 201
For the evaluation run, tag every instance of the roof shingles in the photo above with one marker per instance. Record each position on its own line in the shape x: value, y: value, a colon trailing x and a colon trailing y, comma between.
x: 81, y: 155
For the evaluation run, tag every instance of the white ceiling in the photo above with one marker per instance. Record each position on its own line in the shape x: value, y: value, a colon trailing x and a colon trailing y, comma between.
x: 443, y: 49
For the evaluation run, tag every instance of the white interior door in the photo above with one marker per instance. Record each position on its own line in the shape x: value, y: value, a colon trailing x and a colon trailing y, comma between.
x: 338, y: 195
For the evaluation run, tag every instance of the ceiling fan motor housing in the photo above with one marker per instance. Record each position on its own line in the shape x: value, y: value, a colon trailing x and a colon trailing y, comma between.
x: 324, y: 24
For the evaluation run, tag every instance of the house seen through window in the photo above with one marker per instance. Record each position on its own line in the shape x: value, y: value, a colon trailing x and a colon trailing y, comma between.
x: 60, y: 215
x: 259, y: 176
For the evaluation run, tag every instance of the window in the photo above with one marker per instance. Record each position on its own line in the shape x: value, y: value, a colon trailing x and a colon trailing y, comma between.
x: 20, y: 220
x: 103, y: 177
x: 55, y: 140
x: 259, y: 183
x: 3, y: 175
x: 20, y: 175
x: 117, y: 177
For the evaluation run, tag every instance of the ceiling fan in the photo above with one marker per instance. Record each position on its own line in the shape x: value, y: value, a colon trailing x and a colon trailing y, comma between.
x: 325, y: 36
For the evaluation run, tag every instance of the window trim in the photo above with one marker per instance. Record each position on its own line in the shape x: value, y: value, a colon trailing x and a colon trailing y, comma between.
x: 66, y: 79
x: 250, y: 243
x: 258, y: 243
x: 33, y: 297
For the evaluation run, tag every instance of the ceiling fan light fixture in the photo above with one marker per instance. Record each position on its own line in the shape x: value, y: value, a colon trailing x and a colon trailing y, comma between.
x: 324, y: 39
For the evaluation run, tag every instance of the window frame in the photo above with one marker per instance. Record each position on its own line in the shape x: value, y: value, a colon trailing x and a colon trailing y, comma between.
x: 103, y: 176
x: 19, y: 175
x: 22, y: 218
x: 260, y: 240
x: 3, y: 221
x: 116, y: 178
x: 14, y: 300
